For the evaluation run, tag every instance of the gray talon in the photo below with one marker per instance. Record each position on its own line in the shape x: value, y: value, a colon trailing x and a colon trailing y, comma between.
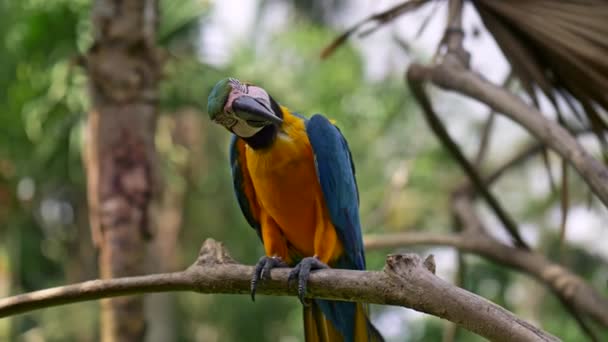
x: 302, y: 272
x: 262, y: 271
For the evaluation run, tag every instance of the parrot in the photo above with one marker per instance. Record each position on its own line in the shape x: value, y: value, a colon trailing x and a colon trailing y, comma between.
x: 294, y: 180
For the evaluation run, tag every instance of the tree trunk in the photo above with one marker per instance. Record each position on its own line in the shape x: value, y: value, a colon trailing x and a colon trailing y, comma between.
x: 123, y: 69
x: 184, y: 128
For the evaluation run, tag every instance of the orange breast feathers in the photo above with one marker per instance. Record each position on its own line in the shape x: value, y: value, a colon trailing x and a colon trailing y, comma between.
x: 294, y: 219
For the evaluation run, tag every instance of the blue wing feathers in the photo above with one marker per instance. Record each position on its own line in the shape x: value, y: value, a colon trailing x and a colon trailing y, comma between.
x: 336, y: 175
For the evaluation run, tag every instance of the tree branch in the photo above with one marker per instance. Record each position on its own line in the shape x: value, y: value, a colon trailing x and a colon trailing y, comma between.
x: 451, y: 75
x: 486, y: 131
x: 405, y: 281
x: 560, y: 280
x: 416, y: 85
x: 453, y: 64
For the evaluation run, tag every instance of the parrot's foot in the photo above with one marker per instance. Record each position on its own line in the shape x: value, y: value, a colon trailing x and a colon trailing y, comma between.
x: 262, y: 271
x: 302, y: 272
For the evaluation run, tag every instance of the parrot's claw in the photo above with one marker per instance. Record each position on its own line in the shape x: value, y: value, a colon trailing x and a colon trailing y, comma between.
x: 302, y: 271
x: 262, y: 271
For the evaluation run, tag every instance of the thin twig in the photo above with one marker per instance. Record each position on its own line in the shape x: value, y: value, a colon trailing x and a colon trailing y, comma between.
x: 556, y: 277
x: 580, y: 320
x: 551, y: 134
x: 565, y: 204
x: 379, y: 19
x: 486, y: 131
x: 547, y: 164
x: 415, y: 84
x: 527, y: 152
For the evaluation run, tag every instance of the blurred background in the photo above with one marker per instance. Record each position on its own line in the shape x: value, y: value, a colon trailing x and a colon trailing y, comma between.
x: 405, y: 176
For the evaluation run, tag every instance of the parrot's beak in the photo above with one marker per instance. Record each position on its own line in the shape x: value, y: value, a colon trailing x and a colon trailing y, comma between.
x: 255, y: 113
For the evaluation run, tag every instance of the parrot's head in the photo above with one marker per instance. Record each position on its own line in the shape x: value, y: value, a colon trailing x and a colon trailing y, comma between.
x: 242, y: 108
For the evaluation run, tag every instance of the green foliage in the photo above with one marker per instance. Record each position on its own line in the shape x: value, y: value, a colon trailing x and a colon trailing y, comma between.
x: 42, y: 104
x: 179, y: 24
x: 403, y: 174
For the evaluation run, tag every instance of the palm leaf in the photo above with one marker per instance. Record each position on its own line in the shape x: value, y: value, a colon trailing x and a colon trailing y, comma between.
x: 559, y: 47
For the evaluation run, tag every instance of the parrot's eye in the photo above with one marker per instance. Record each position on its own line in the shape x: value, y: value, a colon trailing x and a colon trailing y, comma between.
x: 225, y: 120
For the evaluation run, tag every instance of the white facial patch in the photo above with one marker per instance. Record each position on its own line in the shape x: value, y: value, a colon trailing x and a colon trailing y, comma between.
x: 225, y: 120
x: 237, y: 125
x: 242, y: 129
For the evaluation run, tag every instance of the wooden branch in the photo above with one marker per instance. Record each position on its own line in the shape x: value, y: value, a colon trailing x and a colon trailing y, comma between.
x: 488, y: 126
x: 405, y: 281
x: 416, y: 85
x: 451, y: 75
x: 556, y: 277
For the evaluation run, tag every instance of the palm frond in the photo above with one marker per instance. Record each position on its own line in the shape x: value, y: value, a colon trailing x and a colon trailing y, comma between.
x: 559, y: 47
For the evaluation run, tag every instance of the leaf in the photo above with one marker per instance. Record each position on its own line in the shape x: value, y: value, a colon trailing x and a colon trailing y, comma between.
x: 559, y: 47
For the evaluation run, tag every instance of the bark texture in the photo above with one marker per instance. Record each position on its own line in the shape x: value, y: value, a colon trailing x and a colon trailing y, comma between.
x: 406, y: 280
x: 123, y: 70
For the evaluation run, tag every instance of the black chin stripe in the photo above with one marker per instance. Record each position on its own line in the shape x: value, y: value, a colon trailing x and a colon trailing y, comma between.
x: 266, y: 136
x: 262, y: 139
x: 275, y: 107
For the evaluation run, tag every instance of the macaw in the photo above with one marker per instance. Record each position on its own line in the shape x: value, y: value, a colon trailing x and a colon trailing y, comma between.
x: 295, y: 183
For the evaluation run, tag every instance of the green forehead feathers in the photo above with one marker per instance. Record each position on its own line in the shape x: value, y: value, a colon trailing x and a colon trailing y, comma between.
x: 218, y: 96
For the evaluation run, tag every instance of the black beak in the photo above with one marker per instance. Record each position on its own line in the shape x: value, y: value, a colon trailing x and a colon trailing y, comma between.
x: 256, y: 114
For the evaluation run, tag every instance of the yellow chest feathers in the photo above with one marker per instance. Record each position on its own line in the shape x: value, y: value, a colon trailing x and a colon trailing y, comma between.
x: 287, y: 190
x: 288, y: 152
x: 285, y: 181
